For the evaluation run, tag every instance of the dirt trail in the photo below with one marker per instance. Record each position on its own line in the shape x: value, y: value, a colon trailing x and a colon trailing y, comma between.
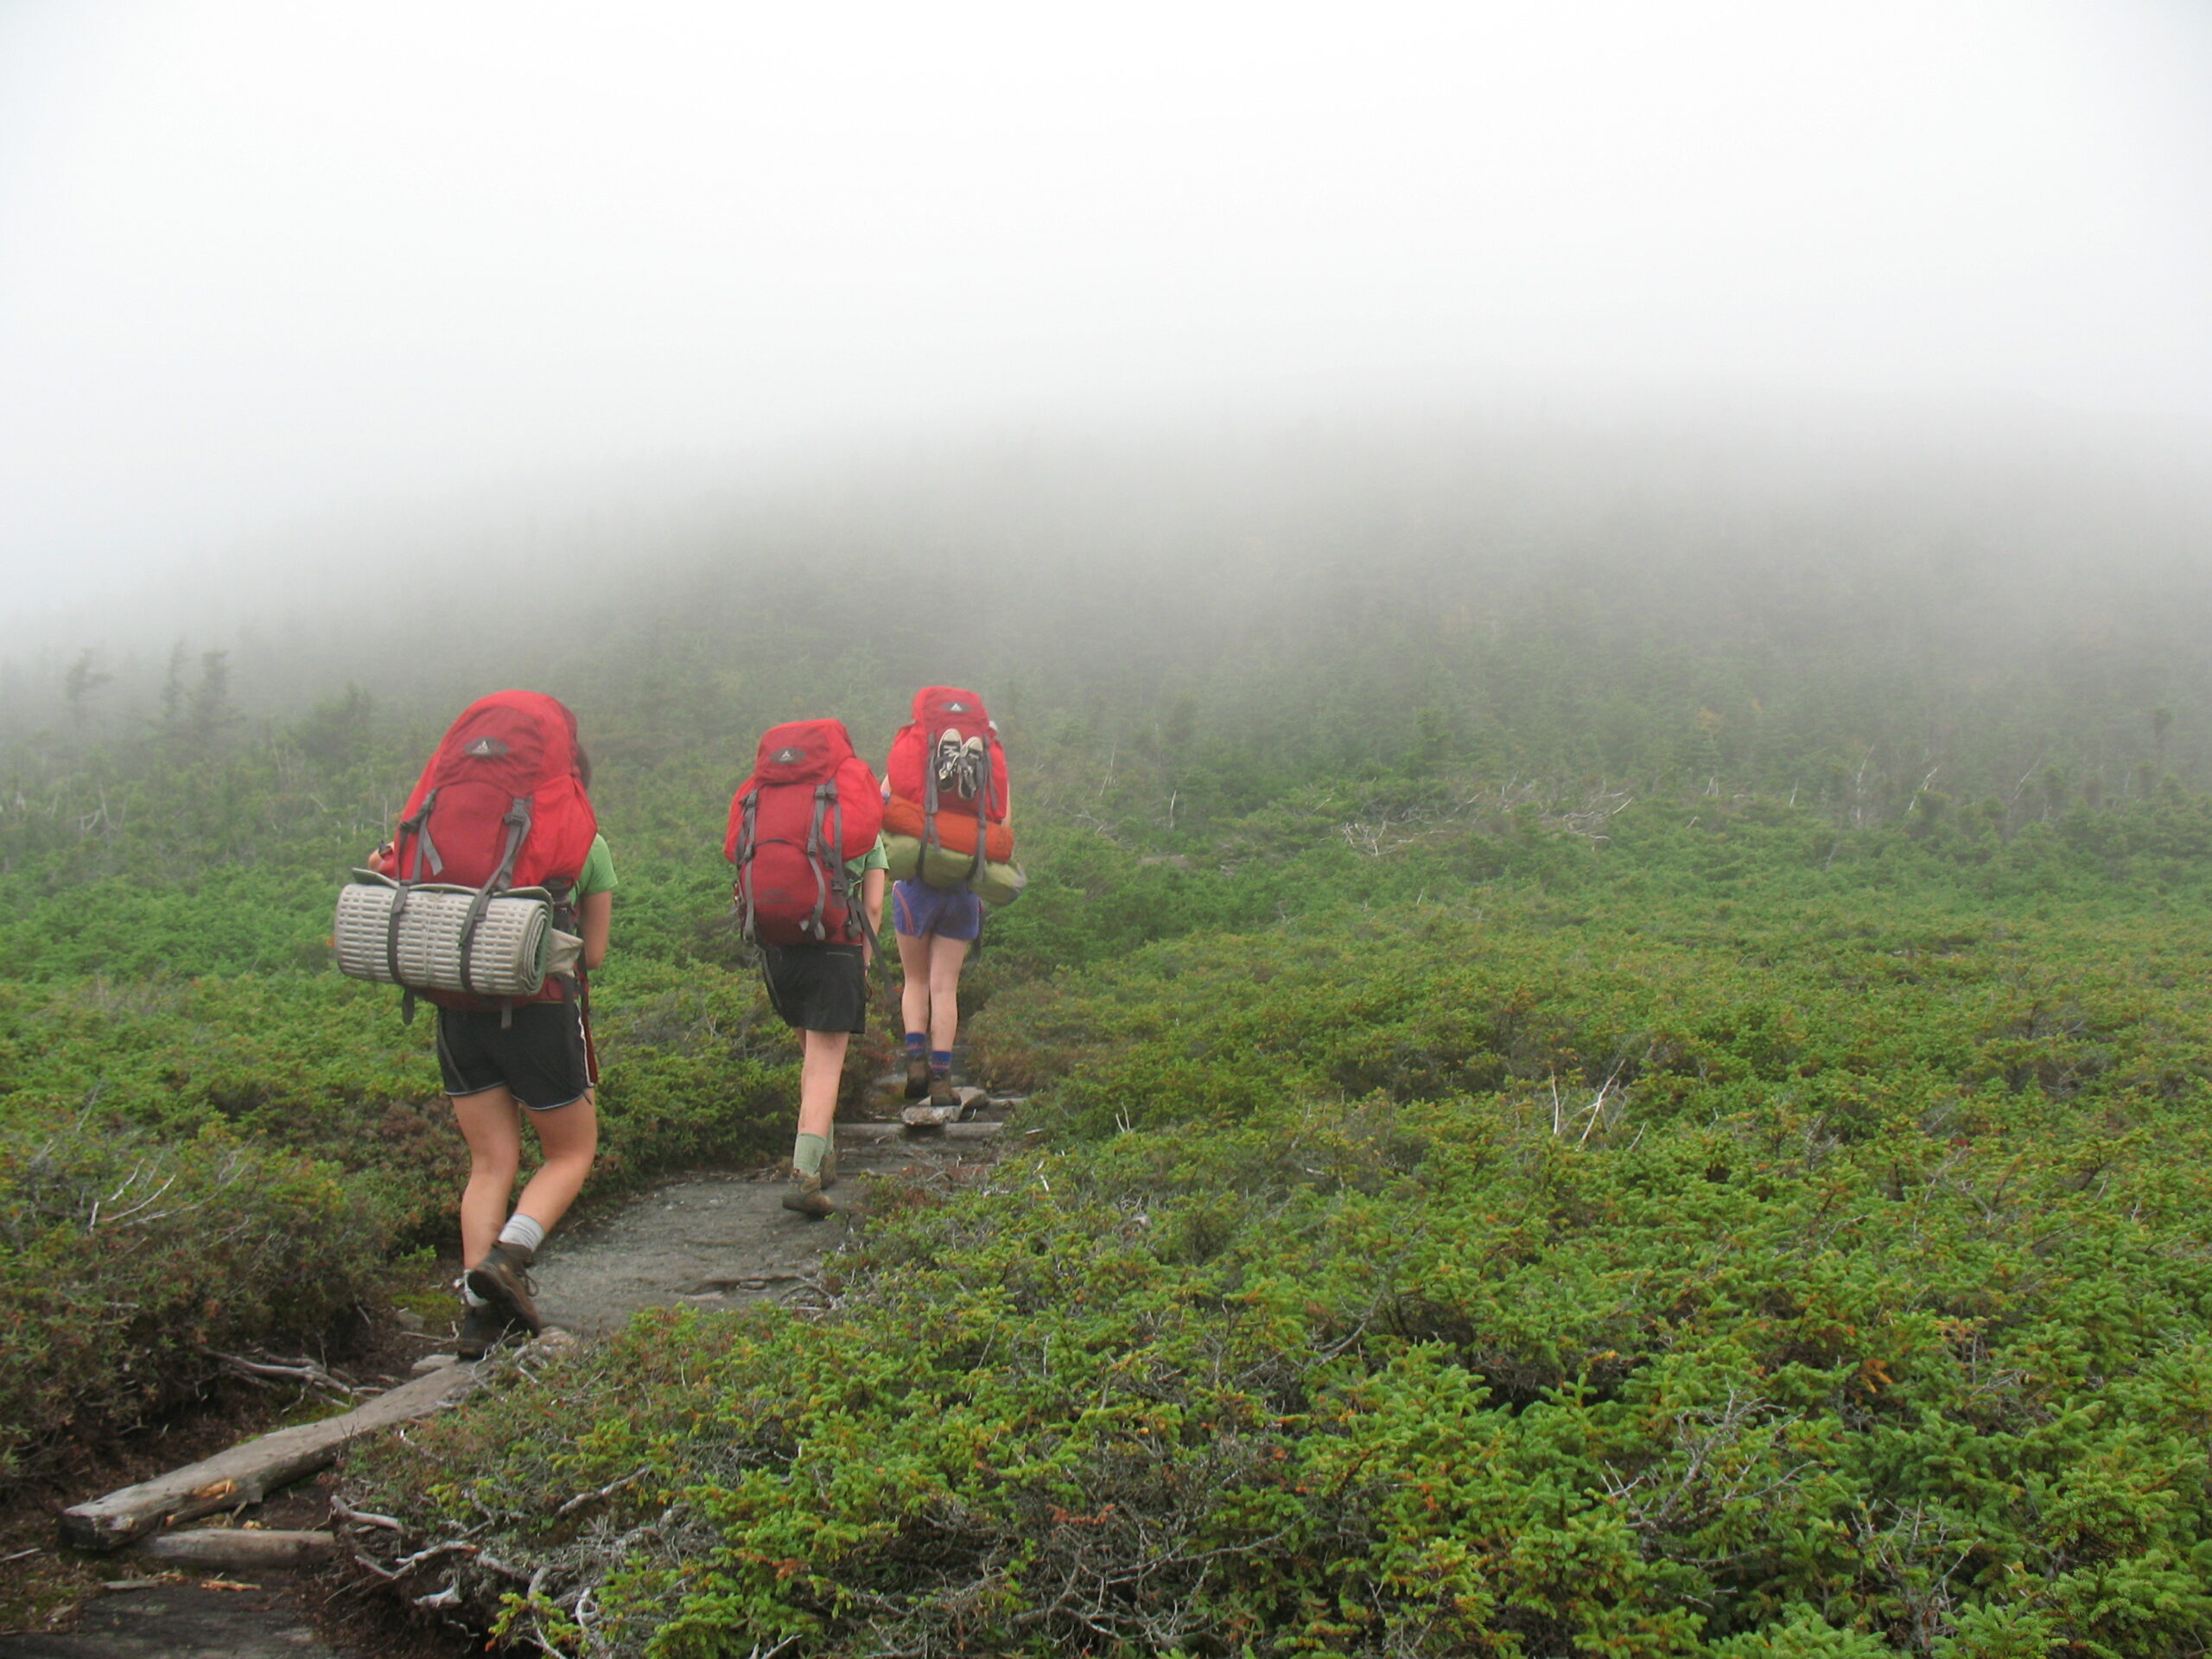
x: 712, y: 1240
x: 723, y: 1241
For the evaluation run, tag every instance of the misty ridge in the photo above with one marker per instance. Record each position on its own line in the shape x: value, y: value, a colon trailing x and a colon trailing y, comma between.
x: 1816, y: 612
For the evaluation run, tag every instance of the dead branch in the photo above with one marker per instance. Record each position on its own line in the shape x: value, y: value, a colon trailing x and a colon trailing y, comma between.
x: 340, y: 1510
x: 608, y: 1490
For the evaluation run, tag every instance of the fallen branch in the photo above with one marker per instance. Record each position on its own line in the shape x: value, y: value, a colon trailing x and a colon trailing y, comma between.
x: 341, y: 1510
x: 302, y: 1370
x: 608, y: 1490
x: 407, y: 1564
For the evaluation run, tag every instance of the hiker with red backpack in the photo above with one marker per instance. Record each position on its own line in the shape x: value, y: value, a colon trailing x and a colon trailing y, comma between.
x: 805, y: 836
x: 945, y: 794
x: 503, y: 808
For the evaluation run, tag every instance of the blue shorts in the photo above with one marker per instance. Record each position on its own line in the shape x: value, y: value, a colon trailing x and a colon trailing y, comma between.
x: 918, y: 909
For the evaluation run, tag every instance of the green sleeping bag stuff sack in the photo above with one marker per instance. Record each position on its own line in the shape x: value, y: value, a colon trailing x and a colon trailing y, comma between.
x: 904, y: 855
x: 999, y: 886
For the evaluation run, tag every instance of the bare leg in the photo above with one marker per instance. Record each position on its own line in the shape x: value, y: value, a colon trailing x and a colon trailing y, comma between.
x: 946, y: 957
x: 490, y: 1125
x: 914, y: 982
x: 821, y: 1068
x: 568, y: 1137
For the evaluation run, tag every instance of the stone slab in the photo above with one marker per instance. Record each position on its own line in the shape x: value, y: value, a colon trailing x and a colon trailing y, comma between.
x: 182, y: 1621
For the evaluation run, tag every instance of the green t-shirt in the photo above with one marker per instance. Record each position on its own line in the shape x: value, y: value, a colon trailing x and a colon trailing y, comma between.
x: 598, y: 873
x: 857, y: 868
x: 874, y: 858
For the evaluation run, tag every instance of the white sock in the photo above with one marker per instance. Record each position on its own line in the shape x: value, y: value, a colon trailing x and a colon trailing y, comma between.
x: 469, y: 1297
x: 521, y: 1230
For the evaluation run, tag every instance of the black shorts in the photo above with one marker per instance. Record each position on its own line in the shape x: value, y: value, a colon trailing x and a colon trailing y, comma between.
x: 539, y: 1060
x: 817, y: 987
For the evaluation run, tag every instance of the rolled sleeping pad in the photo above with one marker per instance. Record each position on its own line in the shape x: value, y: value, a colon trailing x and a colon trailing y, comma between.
x: 509, y: 953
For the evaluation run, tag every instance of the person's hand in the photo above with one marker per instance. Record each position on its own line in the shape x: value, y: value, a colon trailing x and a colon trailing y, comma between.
x: 380, y: 860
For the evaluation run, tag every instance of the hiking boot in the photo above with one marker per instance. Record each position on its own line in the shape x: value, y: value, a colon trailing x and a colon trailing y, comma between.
x: 829, y: 1162
x: 942, y: 1096
x: 503, y: 1280
x: 806, y: 1195
x: 485, y: 1327
x: 918, y: 1077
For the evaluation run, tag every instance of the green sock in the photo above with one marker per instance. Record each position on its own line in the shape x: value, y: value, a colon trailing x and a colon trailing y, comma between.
x: 808, y: 1152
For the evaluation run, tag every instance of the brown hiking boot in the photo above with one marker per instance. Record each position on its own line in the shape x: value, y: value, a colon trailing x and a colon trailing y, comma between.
x: 502, y: 1278
x: 483, y: 1329
x: 918, y: 1077
x: 942, y: 1093
x: 806, y: 1195
x: 830, y: 1161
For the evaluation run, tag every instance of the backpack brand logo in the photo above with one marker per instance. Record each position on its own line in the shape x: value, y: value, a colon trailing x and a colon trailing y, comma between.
x: 787, y: 757
x: 486, y: 748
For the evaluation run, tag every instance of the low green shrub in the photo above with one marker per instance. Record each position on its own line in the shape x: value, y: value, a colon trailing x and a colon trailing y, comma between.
x: 1430, y: 1379
x: 293, y: 1128
x: 694, y: 1067
x: 127, y: 1262
x: 1647, y: 1273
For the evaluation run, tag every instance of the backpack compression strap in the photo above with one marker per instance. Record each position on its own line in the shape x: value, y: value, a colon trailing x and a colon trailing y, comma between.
x: 983, y: 815
x: 855, y: 901
x: 518, y: 823
x: 415, y: 832
x: 853, y: 907
x: 424, y: 848
x: 929, y: 794
x: 747, y: 844
x: 818, y: 856
x: 567, y: 917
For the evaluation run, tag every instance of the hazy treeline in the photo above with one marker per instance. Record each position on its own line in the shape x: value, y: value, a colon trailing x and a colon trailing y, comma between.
x: 1860, y: 629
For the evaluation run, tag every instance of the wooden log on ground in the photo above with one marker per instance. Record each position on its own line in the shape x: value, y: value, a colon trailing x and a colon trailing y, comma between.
x: 859, y: 1132
x: 239, y: 1546
x: 249, y: 1473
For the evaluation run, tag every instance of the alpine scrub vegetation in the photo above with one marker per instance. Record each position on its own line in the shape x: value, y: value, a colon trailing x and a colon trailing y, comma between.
x: 127, y: 1261
x: 1609, y: 1086
x: 1629, y: 1269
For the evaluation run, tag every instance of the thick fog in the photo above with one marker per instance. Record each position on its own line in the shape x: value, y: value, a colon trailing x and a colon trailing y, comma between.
x: 272, y: 274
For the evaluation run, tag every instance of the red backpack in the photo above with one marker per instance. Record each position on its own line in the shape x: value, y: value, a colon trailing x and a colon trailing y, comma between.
x: 810, y: 804
x: 948, y: 775
x: 499, y: 806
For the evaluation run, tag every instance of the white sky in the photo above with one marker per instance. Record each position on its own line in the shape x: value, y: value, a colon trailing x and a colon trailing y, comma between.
x: 259, y: 260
